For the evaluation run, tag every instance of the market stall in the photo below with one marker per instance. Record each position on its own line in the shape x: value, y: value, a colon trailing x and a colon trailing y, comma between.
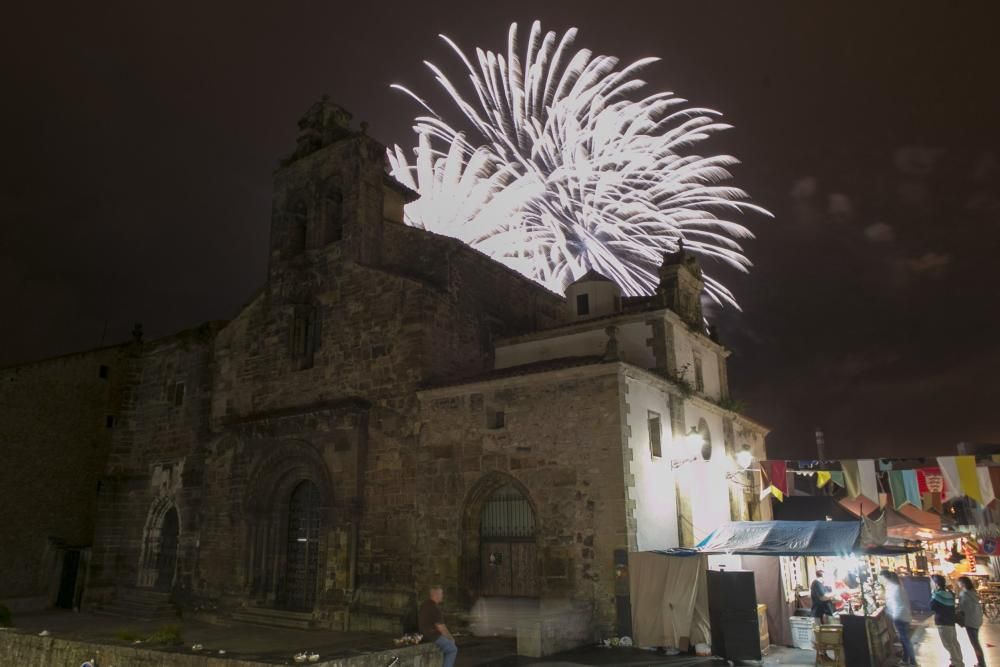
x: 848, y: 550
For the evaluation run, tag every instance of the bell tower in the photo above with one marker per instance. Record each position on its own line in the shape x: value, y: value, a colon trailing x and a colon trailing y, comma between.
x: 331, y: 195
x: 681, y: 285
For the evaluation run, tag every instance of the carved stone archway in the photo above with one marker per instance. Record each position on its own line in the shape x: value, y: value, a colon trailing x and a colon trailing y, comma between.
x: 160, y: 541
x: 473, y: 581
x: 288, y: 486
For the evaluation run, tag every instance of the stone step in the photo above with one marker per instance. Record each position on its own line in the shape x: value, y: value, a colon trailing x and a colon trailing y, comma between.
x: 374, y: 619
x: 143, y: 595
x: 274, y: 617
x: 138, y: 614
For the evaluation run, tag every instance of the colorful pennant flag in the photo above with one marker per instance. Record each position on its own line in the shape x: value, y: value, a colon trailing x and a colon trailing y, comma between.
x: 912, y: 487
x: 968, y: 478
x: 869, y: 479
x: 985, y: 486
x: 898, y: 488
x: 949, y: 471
x: 822, y: 477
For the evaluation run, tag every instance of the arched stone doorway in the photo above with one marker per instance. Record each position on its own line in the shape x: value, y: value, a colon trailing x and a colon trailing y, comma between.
x: 289, y: 510
x: 298, y: 590
x: 508, y: 550
x: 161, y: 537
x: 500, y: 541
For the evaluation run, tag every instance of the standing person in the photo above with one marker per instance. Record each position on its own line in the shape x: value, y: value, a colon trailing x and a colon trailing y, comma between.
x: 971, y: 612
x: 943, y: 604
x: 822, y: 604
x: 897, y: 605
x: 432, y: 627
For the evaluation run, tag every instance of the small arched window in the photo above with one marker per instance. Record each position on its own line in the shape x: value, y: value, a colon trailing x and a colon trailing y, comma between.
x: 334, y: 205
x: 298, y: 227
x: 706, y: 439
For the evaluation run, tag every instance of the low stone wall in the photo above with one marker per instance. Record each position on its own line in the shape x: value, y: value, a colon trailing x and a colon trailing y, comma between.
x: 29, y: 650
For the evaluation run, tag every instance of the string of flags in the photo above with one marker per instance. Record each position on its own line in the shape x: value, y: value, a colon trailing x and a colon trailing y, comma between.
x: 924, y: 487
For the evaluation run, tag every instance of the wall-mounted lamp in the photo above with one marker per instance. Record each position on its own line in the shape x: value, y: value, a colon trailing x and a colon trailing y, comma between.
x: 744, y: 459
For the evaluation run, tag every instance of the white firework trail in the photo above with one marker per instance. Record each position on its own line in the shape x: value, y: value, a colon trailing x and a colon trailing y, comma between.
x: 572, y: 169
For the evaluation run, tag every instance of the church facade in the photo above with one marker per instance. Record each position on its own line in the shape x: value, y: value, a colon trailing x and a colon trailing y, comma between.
x: 394, y: 409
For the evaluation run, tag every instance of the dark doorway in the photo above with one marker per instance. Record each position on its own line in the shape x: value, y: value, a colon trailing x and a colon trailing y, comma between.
x: 303, y: 548
x: 67, y: 582
x: 166, y: 558
x: 509, y: 555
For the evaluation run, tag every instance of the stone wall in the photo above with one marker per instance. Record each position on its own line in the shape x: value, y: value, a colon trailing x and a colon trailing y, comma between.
x: 56, y: 421
x: 560, y: 443
x: 27, y: 650
x: 155, y: 463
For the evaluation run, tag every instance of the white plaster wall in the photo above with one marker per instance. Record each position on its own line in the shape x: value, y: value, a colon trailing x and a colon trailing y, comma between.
x: 705, y: 482
x: 600, y: 297
x: 631, y: 336
x: 654, y: 491
x: 685, y: 345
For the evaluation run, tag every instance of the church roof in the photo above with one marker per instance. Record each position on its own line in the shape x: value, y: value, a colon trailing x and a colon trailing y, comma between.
x: 592, y: 276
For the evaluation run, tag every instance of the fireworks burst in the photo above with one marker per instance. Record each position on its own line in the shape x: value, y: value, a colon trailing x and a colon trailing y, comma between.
x: 572, y: 169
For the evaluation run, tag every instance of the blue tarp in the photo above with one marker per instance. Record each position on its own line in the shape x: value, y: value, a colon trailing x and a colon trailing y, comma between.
x: 789, y: 538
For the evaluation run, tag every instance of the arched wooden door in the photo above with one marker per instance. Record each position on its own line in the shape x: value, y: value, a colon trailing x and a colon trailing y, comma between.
x: 302, y: 555
x: 508, y: 550
x: 166, y: 556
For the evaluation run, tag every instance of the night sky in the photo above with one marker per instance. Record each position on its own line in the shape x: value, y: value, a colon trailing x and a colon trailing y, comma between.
x: 139, y: 141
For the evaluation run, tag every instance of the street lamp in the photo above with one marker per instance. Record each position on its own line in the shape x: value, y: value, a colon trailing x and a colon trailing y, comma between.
x: 744, y: 459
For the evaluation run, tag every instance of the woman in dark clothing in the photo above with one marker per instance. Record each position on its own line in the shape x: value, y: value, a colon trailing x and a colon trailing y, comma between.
x: 971, y: 616
x: 943, y: 605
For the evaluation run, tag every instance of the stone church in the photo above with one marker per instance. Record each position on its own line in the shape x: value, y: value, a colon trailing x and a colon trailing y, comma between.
x: 392, y: 409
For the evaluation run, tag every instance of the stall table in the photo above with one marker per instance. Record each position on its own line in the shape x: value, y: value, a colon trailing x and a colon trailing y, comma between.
x: 868, y: 640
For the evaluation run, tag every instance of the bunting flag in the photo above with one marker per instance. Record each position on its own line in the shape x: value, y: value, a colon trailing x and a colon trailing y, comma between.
x: 949, y: 471
x: 898, y: 488
x: 912, y: 487
x: 932, y: 502
x: 931, y: 480
x: 777, y: 471
x: 995, y: 477
x: 968, y: 478
x: 822, y: 477
x: 985, y: 486
x: 869, y: 479
x: 852, y: 477
x: 837, y: 477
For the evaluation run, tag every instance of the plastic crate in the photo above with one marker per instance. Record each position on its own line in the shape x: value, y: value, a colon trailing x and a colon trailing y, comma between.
x: 802, y: 631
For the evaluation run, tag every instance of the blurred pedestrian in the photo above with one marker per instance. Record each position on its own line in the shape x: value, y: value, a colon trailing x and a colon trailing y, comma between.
x: 970, y: 615
x: 943, y: 605
x: 897, y: 605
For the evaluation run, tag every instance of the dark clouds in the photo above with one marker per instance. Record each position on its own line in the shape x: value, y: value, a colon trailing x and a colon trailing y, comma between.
x: 139, y: 141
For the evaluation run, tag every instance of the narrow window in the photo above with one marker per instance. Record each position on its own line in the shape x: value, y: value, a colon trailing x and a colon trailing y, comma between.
x: 109, y: 421
x: 305, y: 335
x: 334, y: 217
x: 297, y: 243
x: 178, y: 394
x: 653, y: 421
x: 495, y: 419
x: 699, y: 378
x: 103, y: 372
x: 582, y: 304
